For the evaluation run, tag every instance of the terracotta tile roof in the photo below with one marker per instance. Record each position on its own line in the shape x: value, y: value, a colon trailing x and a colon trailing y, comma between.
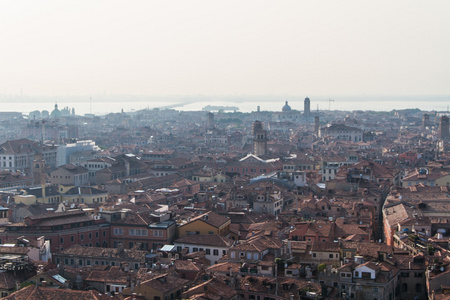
x: 409, y: 262
x: 370, y: 250
x: 322, y: 229
x: 71, y: 168
x: 376, y: 170
x: 259, y: 244
x: 395, y: 214
x: 113, y: 275
x: 211, y: 218
x: 83, y: 251
x: 141, y: 218
x: 418, y: 193
x: 37, y: 292
x: 47, y: 215
x: 184, y: 183
x: 255, y: 284
x: 165, y: 283
x: 225, y: 267
x: 52, y: 218
x: 7, y: 280
x: 343, y: 230
x: 247, y: 217
x: 185, y: 265
x: 22, y: 146
x: 298, y: 246
x: 14, y: 250
x: 206, y: 239
x: 267, y: 226
x: 211, y: 289
x: 369, y: 265
x: 7, y: 176
x: 348, y: 267
x: 325, y: 246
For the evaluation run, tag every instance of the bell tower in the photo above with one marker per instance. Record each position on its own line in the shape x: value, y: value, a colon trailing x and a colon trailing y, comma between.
x: 259, y: 138
x: 38, y: 170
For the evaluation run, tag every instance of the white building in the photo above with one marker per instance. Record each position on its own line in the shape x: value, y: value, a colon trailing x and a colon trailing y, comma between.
x: 18, y: 155
x: 64, y: 151
x: 342, y: 132
x: 215, y: 246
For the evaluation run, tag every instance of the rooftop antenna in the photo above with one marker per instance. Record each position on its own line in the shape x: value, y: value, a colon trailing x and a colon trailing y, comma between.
x: 90, y: 105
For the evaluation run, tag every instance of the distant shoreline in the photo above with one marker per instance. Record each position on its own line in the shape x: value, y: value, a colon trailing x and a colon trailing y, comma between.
x: 102, y: 105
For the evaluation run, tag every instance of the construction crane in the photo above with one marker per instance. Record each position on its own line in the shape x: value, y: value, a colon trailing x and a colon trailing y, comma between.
x: 329, y: 103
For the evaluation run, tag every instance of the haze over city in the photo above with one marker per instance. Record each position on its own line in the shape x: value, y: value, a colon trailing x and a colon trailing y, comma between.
x: 161, y: 48
x: 224, y: 150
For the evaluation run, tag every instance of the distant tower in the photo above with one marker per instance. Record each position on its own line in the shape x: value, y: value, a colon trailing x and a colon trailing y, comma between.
x: 425, y: 121
x: 443, y: 128
x: 316, y: 125
x: 307, y: 110
x: 38, y: 168
x: 210, y: 121
x: 259, y: 138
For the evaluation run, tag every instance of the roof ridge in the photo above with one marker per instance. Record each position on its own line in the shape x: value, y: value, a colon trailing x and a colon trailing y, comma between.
x: 139, y: 215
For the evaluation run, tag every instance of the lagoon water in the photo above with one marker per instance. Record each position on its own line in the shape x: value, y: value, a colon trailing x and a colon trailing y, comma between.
x: 103, y: 104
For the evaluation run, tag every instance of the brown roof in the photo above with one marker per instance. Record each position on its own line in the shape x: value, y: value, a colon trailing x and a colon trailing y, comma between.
x: 13, y: 250
x: 211, y: 289
x: 39, y: 292
x: 325, y: 246
x: 369, y: 265
x: 6, y: 176
x: 7, y: 280
x: 22, y: 146
x: 165, y: 283
x: 206, y: 239
x: 113, y: 275
x: 83, y: 251
x: 71, y: 168
x: 212, y: 219
x: 225, y: 267
x: 259, y: 244
x: 185, y: 265
x: 395, y: 214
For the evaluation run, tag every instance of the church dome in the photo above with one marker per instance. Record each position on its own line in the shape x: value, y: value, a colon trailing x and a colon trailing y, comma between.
x: 56, y: 113
x: 286, y: 107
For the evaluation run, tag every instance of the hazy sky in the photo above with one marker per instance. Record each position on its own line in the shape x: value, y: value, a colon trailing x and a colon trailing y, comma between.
x: 193, y: 47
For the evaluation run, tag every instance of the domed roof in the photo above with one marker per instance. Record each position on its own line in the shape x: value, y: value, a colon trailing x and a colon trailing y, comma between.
x: 56, y: 113
x: 286, y: 107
